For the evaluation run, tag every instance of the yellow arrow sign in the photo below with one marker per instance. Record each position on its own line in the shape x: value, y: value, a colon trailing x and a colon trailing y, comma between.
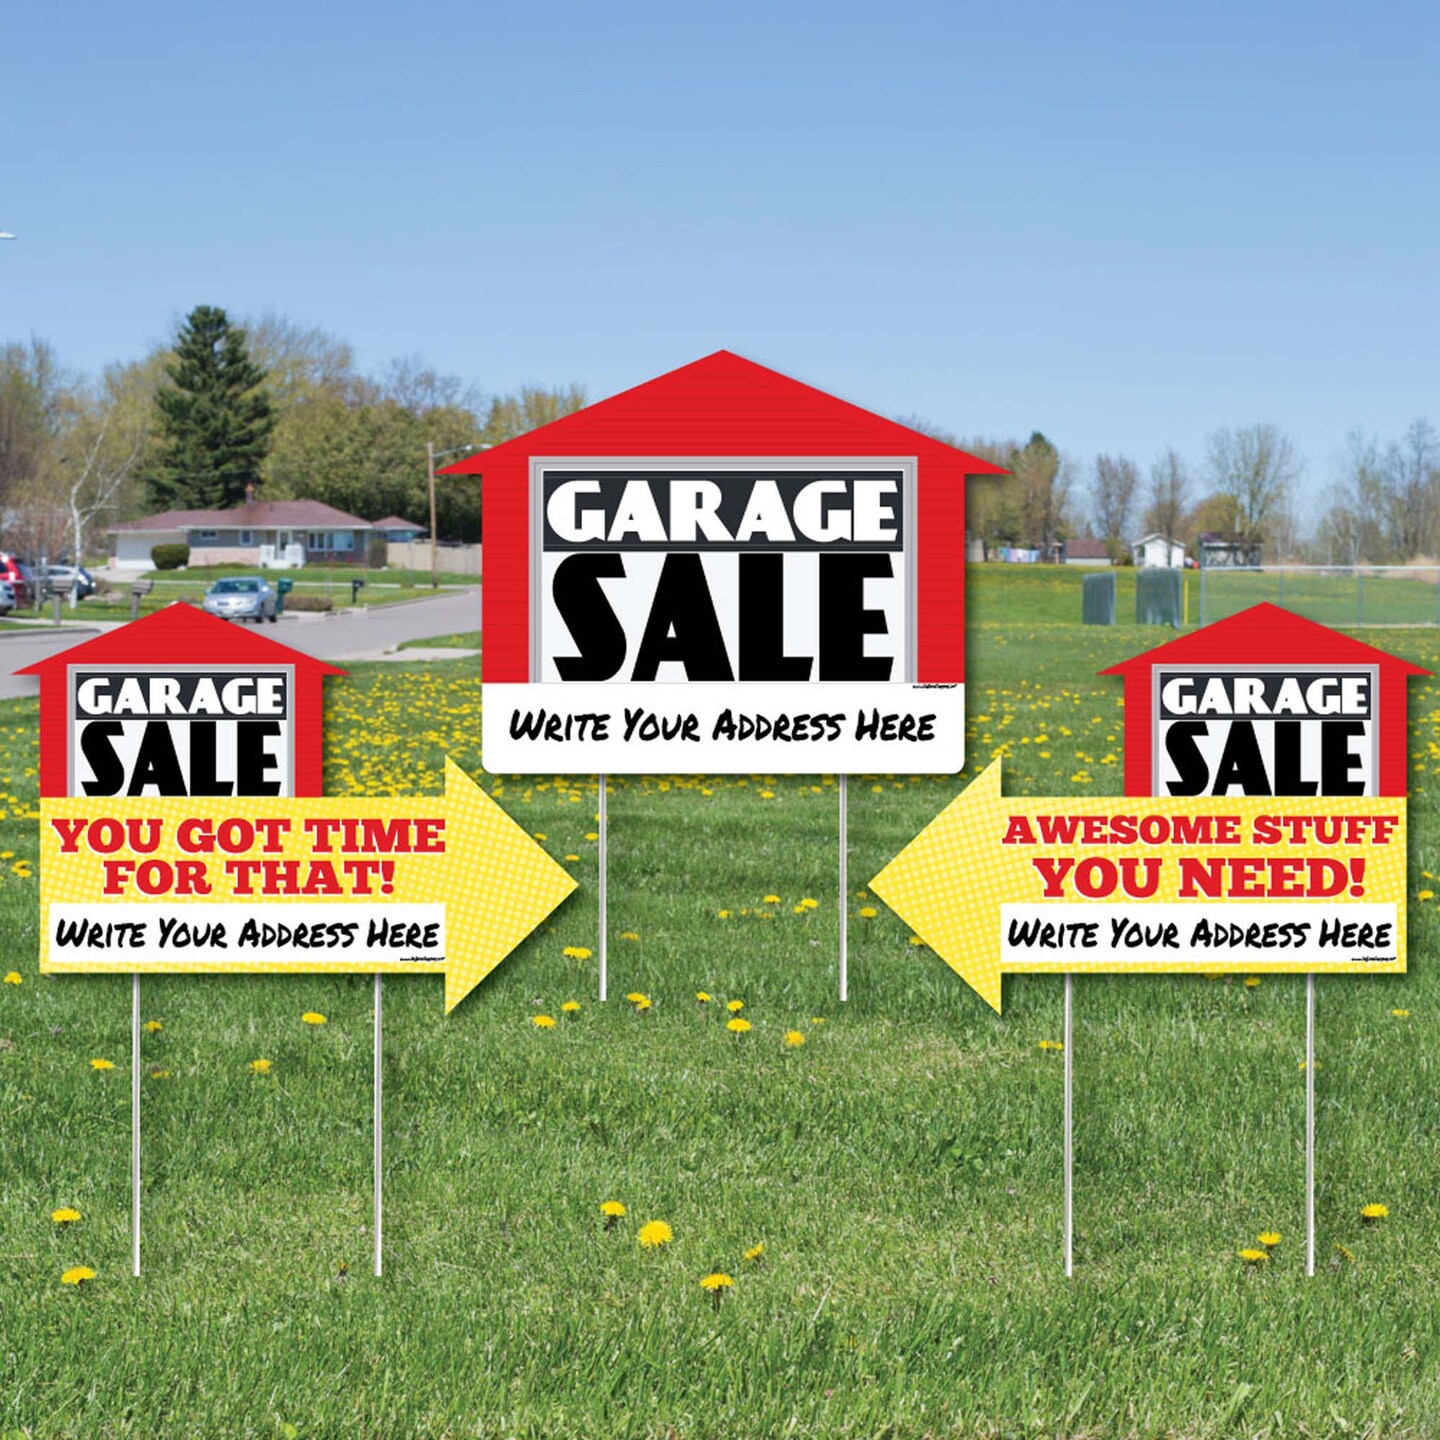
x: 1132, y: 885
x: 203, y: 886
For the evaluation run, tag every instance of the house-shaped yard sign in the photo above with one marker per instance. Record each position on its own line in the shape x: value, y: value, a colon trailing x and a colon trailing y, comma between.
x: 1265, y: 703
x: 724, y: 570
x: 181, y: 703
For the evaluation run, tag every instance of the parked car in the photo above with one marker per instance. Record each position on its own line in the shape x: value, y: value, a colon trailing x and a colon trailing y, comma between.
x: 241, y: 597
x: 7, y: 597
x: 61, y: 579
x: 18, y: 573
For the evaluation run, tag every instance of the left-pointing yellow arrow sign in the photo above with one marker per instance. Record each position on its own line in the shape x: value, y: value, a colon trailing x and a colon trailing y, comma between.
x: 401, y: 886
x: 1131, y: 885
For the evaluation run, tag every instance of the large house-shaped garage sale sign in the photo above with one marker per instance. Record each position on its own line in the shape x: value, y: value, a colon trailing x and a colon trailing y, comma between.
x: 181, y: 703
x: 1265, y: 703
x: 723, y: 570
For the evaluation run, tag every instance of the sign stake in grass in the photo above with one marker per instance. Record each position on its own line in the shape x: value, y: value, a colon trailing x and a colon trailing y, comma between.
x: 844, y: 892
x: 135, y: 1124
x: 378, y: 1126
x: 603, y: 826
x: 1066, y: 1040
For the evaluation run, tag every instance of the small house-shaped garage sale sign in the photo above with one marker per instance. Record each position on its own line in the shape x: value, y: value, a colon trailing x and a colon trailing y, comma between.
x: 181, y: 703
x: 723, y: 570
x: 1265, y: 703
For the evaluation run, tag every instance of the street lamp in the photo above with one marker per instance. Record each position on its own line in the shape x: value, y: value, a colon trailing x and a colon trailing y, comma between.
x: 431, y: 456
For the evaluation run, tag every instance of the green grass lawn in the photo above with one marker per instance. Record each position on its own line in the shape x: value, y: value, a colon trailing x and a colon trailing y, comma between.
x: 901, y: 1168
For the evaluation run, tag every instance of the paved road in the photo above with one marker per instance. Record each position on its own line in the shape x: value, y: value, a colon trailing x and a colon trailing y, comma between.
x: 366, y: 635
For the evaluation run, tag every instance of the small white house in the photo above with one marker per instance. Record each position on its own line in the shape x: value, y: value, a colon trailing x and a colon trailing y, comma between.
x: 270, y: 533
x: 1155, y: 552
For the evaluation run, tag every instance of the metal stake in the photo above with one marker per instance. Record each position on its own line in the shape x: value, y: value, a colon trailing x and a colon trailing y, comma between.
x: 604, y: 880
x: 844, y: 894
x: 135, y: 1124
x: 1309, y: 1124
x: 378, y: 1124
x: 1069, y: 1241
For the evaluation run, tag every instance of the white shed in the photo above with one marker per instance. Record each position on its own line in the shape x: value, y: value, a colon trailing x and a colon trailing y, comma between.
x: 1155, y: 552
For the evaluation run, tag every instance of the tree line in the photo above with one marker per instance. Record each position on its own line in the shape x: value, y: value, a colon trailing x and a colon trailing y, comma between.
x: 225, y: 409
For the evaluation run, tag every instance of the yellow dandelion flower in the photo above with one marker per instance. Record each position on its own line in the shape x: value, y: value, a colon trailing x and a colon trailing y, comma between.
x: 1425, y: 895
x: 313, y: 1017
x: 703, y: 997
x: 916, y: 940
x: 1370, y: 1214
x: 13, y: 978
x: 572, y: 857
x: 1251, y: 981
x: 808, y: 904
x: 65, y: 1215
x: 868, y: 912
x: 723, y: 914
x: 636, y: 996
x: 260, y: 1067
x: 755, y: 1252
x: 570, y: 1007
x: 718, y: 1281
x: 642, y: 1005
x: 629, y: 934
x: 1401, y: 1014
x: 156, y: 1073
x: 817, y: 1019
x: 543, y: 1022
x: 1254, y: 1257
x: 22, y: 869
x: 77, y: 1276
x: 592, y: 834
x: 102, y: 1065
x: 734, y: 1006
x: 737, y: 1025
x: 770, y: 900
x: 153, y: 1027
x: 576, y: 952
x: 794, y: 1038
x: 1269, y: 1238
x: 613, y: 1209
x: 653, y: 1234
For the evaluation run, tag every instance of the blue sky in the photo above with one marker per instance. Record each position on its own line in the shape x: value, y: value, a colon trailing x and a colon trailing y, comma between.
x: 1123, y: 224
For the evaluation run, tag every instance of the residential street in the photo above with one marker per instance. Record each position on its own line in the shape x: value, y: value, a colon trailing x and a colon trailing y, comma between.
x: 363, y: 635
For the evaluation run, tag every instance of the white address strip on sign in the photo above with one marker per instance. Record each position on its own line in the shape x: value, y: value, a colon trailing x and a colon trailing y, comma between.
x: 131, y: 936
x: 721, y: 729
x: 1196, y: 935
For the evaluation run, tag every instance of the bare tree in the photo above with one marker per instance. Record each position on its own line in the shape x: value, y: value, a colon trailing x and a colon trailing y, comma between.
x: 1254, y: 467
x: 1410, y: 478
x: 1112, y: 490
x: 1169, y: 496
x: 1352, y: 526
x: 100, y: 451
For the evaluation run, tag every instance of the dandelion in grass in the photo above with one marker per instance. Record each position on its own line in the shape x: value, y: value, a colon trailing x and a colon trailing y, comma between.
x: 916, y: 940
x: 809, y: 904
x: 571, y: 1007
x: 653, y: 1234
x: 102, y: 1064
x: 817, y: 1019
x: 77, y: 1276
x: 794, y: 1039
x: 313, y: 1017
x: 629, y: 934
x: 770, y: 900
x: 737, y: 1026
x: 756, y: 1254
x: 868, y: 912
x: 1373, y: 1214
x: 1251, y: 981
x: 614, y: 1212
x: 703, y: 997
x: 1269, y: 1238
x: 13, y: 978
x: 723, y: 914
x: 734, y: 1006
x: 576, y: 952
x: 1401, y: 1014
x: 153, y: 1027
x: 715, y: 1286
x: 642, y: 1006
x: 259, y: 1067
x: 1254, y: 1258
x: 543, y: 1022
x: 156, y: 1073
x: 21, y: 868
x: 65, y: 1215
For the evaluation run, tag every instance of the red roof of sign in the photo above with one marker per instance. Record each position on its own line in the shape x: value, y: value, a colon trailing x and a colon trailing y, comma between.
x: 180, y: 634
x: 707, y: 408
x: 1266, y: 634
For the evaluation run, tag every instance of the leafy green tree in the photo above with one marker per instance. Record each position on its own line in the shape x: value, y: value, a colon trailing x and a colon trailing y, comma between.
x: 215, y: 418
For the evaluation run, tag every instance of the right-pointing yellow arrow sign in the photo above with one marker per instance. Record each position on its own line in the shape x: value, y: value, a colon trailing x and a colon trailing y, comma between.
x: 1133, y: 885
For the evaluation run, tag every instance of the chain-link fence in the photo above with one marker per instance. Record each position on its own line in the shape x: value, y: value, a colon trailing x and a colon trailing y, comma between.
x: 1329, y: 594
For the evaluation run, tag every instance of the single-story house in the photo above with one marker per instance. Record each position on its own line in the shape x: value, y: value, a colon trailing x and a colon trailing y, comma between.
x: 1085, y: 551
x: 396, y: 530
x: 1151, y: 552
x: 276, y: 534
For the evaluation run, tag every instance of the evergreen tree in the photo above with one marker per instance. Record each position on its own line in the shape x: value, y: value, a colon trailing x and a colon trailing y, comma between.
x: 215, y: 418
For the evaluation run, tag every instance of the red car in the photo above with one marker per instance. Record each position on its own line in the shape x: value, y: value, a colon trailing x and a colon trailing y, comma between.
x: 18, y: 574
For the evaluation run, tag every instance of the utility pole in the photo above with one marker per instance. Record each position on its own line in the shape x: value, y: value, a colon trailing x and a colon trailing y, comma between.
x: 430, y: 458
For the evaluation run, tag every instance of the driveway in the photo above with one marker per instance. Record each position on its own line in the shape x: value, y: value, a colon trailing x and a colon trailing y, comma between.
x: 362, y: 635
